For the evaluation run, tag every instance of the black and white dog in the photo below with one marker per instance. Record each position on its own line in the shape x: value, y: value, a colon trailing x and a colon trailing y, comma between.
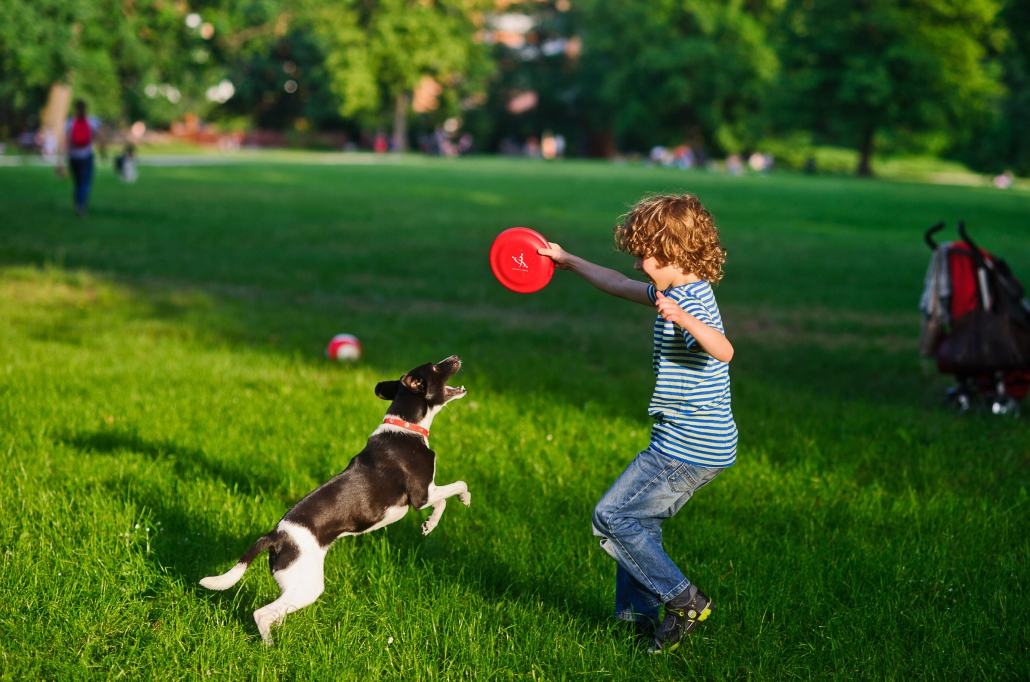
x: 396, y: 470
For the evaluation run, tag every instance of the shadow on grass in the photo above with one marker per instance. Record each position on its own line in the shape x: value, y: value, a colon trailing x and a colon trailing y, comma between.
x: 191, y: 546
x: 186, y: 462
x: 409, y: 275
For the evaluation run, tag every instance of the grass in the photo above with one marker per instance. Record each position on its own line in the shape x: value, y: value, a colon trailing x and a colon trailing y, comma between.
x: 164, y: 399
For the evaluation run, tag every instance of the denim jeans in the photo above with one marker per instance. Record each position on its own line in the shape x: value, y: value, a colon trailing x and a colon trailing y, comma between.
x: 628, y: 519
x: 82, y: 176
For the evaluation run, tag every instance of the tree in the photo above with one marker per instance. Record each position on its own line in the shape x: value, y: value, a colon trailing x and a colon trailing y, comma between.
x: 1004, y: 142
x: 146, y: 58
x: 378, y: 51
x: 856, y: 69
x: 47, y: 42
x: 668, y: 70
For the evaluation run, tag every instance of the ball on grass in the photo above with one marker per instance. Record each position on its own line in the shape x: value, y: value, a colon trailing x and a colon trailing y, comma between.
x: 344, y: 347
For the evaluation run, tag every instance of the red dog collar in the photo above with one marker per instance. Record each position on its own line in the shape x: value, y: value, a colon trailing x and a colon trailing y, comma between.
x: 393, y: 421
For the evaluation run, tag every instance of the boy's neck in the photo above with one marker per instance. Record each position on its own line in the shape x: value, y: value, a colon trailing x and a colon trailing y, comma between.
x: 681, y: 278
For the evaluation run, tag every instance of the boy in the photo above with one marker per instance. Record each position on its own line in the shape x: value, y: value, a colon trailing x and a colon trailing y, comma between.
x: 694, y: 438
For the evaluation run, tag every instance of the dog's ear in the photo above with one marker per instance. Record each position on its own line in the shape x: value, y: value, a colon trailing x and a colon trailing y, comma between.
x: 387, y: 390
x: 413, y: 384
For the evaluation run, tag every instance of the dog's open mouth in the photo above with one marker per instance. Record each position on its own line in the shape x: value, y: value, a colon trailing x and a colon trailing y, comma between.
x: 452, y: 392
x: 451, y: 366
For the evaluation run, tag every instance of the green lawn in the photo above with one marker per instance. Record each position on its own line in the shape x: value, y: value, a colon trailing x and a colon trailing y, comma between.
x: 164, y: 399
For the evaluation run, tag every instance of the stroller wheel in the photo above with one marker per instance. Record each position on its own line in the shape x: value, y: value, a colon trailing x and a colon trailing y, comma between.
x: 958, y: 400
x: 1005, y: 405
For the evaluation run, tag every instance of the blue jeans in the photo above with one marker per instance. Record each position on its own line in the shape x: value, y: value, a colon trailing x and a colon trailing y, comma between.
x: 82, y: 175
x: 628, y: 519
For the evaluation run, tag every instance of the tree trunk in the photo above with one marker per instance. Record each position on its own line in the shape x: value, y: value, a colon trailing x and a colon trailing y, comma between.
x: 400, y: 124
x: 601, y: 144
x: 55, y: 115
x: 865, y: 169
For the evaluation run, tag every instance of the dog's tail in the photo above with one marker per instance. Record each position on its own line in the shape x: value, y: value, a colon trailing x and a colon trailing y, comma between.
x: 230, y: 578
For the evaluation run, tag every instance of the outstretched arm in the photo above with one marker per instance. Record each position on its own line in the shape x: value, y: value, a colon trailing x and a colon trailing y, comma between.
x: 607, y: 280
x: 710, y: 338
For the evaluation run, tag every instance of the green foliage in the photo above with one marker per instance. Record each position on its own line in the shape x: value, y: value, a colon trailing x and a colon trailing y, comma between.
x: 110, y: 52
x: 1004, y: 142
x: 162, y: 367
x: 854, y: 69
x: 262, y: 98
x: 666, y: 70
x: 47, y: 41
x: 797, y: 151
x: 379, y: 51
x: 928, y: 77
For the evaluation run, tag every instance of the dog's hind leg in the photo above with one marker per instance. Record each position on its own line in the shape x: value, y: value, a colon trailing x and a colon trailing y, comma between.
x: 438, y: 501
x: 301, y: 580
x: 294, y: 598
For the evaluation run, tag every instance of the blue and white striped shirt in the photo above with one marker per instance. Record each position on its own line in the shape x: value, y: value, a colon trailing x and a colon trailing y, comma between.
x: 691, y: 401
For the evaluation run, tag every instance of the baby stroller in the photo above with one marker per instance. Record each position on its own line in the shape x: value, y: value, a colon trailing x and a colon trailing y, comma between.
x: 976, y: 325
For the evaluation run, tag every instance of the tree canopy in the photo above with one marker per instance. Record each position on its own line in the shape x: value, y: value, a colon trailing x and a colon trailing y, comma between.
x: 677, y: 69
x: 856, y: 68
x: 378, y: 52
x: 940, y: 76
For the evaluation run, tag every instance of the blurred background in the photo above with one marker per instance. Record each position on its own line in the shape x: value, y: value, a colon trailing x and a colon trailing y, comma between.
x: 739, y: 85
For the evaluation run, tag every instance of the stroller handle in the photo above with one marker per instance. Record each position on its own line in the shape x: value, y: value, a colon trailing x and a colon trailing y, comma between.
x: 966, y: 238
x: 928, y: 235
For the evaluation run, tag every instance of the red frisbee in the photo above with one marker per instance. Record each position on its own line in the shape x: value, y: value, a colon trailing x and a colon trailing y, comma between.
x: 515, y: 262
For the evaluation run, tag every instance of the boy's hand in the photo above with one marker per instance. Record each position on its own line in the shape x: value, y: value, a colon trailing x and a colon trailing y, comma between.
x: 669, y: 309
x: 557, y: 254
x: 711, y: 339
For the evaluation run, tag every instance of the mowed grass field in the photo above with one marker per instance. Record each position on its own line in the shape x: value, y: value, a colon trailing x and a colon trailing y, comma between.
x: 164, y: 399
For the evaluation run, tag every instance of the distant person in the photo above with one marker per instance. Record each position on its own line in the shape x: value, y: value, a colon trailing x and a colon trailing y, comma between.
x: 548, y: 149
x: 79, y: 134
x: 694, y: 437
x: 683, y: 157
x: 559, y: 145
x: 49, y: 147
x: 532, y: 147
x: 735, y: 165
x: 125, y: 164
x: 1004, y: 180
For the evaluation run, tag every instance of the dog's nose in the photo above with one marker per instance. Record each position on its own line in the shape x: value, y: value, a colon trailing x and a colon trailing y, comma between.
x: 452, y: 362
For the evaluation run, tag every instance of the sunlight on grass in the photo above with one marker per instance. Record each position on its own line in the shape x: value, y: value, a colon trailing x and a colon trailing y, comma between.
x: 164, y: 399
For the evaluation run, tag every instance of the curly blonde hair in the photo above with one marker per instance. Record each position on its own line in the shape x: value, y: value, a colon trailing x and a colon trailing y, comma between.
x: 675, y: 230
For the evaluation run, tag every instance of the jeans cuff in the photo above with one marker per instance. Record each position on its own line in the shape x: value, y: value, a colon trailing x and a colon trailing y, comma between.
x: 675, y: 592
x: 634, y: 616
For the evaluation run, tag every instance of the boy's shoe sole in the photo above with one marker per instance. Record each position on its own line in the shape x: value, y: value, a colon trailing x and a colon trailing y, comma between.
x: 691, y: 618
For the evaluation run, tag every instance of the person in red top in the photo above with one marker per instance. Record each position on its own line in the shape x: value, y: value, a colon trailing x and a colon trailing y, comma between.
x: 78, y: 137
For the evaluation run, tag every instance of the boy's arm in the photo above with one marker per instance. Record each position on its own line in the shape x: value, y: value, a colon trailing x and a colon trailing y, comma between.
x: 710, y: 338
x: 607, y: 280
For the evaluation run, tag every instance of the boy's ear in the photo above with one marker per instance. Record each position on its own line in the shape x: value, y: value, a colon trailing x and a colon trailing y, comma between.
x: 413, y: 384
x: 387, y: 390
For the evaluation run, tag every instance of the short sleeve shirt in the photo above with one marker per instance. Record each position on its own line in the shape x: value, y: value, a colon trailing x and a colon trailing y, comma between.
x: 81, y: 152
x: 691, y: 401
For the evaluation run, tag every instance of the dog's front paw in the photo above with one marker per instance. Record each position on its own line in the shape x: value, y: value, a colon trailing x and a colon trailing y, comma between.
x: 466, y: 498
x: 428, y: 526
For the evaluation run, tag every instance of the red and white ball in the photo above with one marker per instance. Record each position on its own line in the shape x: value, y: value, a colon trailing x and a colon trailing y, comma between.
x: 344, y: 347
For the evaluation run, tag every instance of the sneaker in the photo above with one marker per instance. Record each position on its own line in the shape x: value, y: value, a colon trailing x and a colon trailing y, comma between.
x: 682, y: 614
